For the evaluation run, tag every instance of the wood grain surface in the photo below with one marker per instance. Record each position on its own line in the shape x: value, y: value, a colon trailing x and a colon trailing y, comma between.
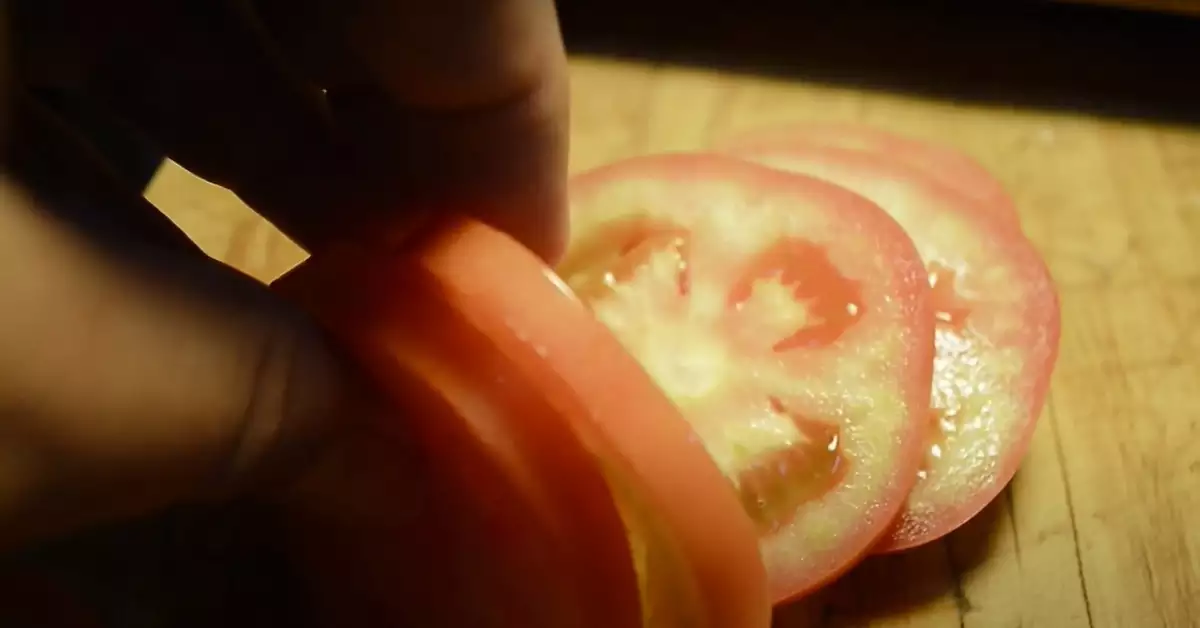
x: 1098, y: 527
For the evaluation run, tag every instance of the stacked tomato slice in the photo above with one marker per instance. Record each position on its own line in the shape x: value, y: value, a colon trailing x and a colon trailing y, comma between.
x: 996, y: 309
x: 800, y: 356
x: 753, y: 367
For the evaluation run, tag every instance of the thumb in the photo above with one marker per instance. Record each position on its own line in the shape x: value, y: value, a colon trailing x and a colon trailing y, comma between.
x: 132, y: 378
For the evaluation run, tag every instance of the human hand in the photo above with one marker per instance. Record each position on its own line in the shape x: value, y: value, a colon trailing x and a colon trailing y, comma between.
x: 136, y: 373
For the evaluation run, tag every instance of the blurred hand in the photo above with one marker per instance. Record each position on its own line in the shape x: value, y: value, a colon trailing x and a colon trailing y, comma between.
x: 137, y: 373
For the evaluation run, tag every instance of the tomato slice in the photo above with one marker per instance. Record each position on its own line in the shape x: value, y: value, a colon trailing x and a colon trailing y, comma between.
x: 950, y: 167
x: 788, y: 319
x: 996, y: 341
x: 510, y: 518
x: 621, y: 526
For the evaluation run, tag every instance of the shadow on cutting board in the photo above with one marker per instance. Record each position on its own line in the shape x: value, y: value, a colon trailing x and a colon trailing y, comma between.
x: 892, y: 586
x: 1101, y: 60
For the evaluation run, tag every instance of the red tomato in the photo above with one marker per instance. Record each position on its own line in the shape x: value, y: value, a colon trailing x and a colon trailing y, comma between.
x: 788, y: 319
x: 951, y: 168
x: 507, y: 374
x: 997, y: 332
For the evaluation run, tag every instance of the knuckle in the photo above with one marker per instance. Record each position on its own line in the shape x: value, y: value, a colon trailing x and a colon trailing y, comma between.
x: 293, y: 391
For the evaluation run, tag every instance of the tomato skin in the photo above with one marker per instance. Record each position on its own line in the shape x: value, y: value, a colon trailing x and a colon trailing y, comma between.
x: 1012, y: 331
x: 622, y: 407
x: 702, y: 181
x: 474, y: 478
x: 949, y: 167
x: 470, y: 291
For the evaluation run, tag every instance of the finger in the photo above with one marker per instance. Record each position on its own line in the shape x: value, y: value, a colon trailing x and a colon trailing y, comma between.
x: 504, y: 165
x: 62, y: 171
x: 195, y: 77
x: 205, y: 82
x: 134, y: 377
x: 465, y: 101
x: 454, y: 54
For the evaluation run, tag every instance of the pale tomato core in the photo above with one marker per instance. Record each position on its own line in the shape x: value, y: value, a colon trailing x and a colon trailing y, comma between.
x: 951, y: 310
x: 791, y: 296
x: 973, y: 403
x: 950, y: 307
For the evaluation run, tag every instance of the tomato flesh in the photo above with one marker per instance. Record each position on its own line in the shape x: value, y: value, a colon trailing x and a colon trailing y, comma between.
x: 949, y: 167
x: 512, y: 519
x: 561, y: 523
x: 996, y: 338
x: 696, y: 558
x: 800, y: 356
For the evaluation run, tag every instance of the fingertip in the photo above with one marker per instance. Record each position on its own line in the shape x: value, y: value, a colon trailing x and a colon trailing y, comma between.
x: 504, y: 163
x: 536, y: 214
x: 554, y: 241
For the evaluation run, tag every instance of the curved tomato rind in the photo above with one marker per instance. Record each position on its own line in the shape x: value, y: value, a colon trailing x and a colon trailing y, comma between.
x: 949, y: 167
x: 997, y: 332
x: 725, y: 279
x: 582, y: 365
x: 511, y: 517
x: 472, y: 280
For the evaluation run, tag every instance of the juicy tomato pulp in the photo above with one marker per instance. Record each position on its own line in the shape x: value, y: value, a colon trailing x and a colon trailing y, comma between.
x: 547, y: 406
x: 788, y: 320
x: 997, y: 332
x: 949, y: 167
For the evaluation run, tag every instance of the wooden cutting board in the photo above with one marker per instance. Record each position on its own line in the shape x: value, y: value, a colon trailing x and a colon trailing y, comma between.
x: 1095, y: 529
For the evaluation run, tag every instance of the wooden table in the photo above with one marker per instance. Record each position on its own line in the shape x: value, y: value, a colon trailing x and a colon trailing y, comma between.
x: 1095, y: 529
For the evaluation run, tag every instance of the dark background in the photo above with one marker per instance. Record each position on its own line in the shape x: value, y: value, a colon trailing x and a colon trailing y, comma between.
x: 1021, y: 52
